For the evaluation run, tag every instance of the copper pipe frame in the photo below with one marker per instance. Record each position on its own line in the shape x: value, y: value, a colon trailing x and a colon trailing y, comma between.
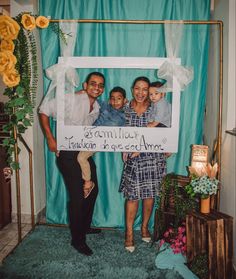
x: 220, y: 104
x: 198, y: 22
x: 137, y: 21
x: 219, y: 136
x: 31, y: 180
x: 17, y: 174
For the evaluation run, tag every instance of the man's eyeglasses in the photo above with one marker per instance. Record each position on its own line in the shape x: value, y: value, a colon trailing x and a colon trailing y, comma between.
x: 94, y: 84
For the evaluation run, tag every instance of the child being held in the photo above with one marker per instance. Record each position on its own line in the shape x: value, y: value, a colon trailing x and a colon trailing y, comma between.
x: 160, y: 115
x: 111, y: 114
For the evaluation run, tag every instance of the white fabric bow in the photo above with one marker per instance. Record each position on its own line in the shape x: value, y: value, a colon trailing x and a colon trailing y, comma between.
x: 67, y: 49
x: 184, y: 75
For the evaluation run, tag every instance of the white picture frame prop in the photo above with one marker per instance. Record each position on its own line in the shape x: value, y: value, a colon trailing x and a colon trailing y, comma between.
x: 116, y: 139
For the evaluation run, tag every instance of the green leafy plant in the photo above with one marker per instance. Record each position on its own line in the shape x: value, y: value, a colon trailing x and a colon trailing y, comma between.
x: 21, y: 96
x: 174, y: 202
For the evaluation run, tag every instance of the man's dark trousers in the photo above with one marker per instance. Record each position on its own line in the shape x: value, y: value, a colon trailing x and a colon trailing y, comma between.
x: 80, y: 210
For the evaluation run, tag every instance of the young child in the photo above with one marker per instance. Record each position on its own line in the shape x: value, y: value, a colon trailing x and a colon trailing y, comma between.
x: 111, y: 114
x: 160, y: 115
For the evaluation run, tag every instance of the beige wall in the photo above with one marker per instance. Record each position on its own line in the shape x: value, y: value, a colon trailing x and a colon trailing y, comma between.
x: 34, y: 139
x: 224, y: 10
x: 2, y: 88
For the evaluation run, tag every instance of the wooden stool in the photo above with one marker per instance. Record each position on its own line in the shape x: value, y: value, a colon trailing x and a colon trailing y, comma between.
x: 212, y: 234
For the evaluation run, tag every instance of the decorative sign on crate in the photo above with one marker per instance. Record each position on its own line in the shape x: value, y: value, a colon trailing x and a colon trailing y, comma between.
x: 199, y: 156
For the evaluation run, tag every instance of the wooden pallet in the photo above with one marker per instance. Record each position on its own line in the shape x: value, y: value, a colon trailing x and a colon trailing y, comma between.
x: 212, y: 234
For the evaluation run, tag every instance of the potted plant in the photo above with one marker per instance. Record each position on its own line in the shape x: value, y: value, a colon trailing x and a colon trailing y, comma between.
x: 203, y: 184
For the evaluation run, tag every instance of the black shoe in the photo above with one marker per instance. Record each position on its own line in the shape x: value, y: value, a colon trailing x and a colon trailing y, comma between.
x: 83, y: 249
x: 93, y: 231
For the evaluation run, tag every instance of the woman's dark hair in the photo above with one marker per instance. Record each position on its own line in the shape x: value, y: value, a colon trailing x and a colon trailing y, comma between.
x: 141, y: 79
x: 94, y: 74
x: 118, y: 89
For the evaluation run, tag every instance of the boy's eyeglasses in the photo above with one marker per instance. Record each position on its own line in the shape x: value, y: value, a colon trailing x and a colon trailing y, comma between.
x: 94, y: 84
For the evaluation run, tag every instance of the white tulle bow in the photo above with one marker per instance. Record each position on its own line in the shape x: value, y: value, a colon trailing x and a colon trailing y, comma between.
x: 71, y: 78
x: 67, y: 49
x: 169, y: 69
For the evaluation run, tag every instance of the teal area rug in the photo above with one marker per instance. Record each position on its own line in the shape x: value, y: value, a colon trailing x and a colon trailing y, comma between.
x: 46, y: 253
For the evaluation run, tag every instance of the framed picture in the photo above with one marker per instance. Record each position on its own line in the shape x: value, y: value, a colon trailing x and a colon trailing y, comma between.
x: 116, y: 139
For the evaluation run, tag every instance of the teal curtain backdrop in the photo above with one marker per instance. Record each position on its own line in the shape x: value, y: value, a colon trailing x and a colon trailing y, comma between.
x: 127, y: 40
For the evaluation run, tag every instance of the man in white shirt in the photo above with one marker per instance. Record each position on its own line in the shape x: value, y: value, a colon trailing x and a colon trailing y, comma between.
x: 85, y: 111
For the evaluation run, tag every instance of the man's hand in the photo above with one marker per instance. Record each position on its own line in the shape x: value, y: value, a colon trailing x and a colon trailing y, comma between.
x: 52, y: 144
x: 51, y: 141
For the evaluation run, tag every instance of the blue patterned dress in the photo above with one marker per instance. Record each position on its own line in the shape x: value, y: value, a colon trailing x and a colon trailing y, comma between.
x: 142, y: 175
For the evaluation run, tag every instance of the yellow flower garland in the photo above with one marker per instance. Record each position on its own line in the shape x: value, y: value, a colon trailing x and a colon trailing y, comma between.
x: 7, y: 61
x: 11, y: 78
x: 9, y: 30
x: 18, y: 68
x: 7, y: 45
x: 42, y: 22
x: 28, y: 22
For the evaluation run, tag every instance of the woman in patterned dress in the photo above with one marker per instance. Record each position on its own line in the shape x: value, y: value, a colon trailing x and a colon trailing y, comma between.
x: 143, y: 172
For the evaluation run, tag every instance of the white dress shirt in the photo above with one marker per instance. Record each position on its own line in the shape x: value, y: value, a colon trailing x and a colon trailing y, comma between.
x: 77, y: 109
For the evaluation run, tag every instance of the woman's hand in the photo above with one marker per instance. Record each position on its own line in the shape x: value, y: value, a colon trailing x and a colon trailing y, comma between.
x: 168, y: 154
x: 135, y: 154
x: 124, y: 156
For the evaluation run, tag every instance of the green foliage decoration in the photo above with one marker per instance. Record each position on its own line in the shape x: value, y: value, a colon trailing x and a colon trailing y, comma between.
x: 173, y: 201
x: 21, y: 97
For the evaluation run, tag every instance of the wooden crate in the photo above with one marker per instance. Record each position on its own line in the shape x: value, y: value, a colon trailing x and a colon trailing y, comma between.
x: 212, y: 234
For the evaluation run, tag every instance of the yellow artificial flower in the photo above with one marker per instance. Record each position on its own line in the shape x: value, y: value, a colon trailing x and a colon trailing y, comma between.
x: 28, y: 22
x: 42, y: 22
x: 7, y: 61
x: 11, y: 78
x: 9, y: 28
x: 7, y: 45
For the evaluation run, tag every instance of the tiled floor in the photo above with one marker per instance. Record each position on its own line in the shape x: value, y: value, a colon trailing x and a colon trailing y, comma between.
x: 9, y: 238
